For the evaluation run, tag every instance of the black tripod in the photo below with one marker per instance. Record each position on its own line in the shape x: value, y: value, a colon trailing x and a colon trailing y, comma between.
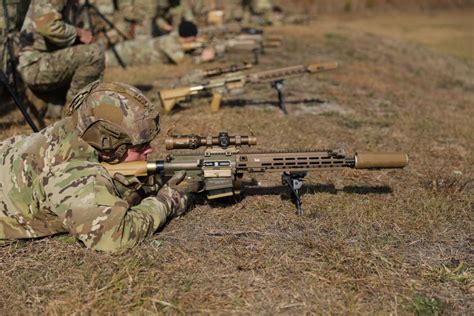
x: 9, y: 78
x: 90, y: 9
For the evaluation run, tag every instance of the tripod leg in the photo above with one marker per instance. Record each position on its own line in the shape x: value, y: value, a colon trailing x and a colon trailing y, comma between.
x: 279, y: 87
x: 88, y: 7
x: 26, y: 115
x: 107, y: 21
x: 114, y: 51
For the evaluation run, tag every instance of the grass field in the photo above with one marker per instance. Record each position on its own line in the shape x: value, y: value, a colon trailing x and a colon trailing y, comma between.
x: 370, y: 242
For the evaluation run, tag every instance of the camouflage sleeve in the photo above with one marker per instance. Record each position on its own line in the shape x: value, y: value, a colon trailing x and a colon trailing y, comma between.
x: 85, y: 200
x: 51, y: 25
x: 172, y: 48
x: 161, y: 22
x: 188, y: 14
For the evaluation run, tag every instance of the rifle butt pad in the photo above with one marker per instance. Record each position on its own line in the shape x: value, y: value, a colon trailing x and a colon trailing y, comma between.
x: 169, y: 97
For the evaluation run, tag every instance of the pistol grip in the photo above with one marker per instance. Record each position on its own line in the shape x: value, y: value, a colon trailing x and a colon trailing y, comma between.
x: 216, y: 102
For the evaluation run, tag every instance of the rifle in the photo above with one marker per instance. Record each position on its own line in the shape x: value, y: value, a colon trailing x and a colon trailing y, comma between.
x: 223, y: 30
x: 202, y: 74
x: 233, y: 82
x: 213, y: 72
x: 255, y: 44
x: 220, y: 168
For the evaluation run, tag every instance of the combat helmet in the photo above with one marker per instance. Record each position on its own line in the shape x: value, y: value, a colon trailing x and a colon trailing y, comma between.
x: 110, y: 116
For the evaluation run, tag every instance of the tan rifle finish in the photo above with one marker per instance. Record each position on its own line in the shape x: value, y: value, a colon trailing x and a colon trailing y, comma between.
x: 223, y: 85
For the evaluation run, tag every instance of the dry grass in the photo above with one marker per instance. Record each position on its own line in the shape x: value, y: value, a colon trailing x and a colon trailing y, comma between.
x: 394, y: 242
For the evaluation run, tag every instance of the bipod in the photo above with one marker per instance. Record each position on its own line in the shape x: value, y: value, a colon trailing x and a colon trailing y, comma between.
x: 294, y: 180
x: 256, y: 55
x: 279, y: 86
x: 26, y: 115
x: 90, y: 7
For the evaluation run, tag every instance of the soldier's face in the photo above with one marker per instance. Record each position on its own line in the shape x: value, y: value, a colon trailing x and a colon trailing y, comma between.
x: 138, y: 153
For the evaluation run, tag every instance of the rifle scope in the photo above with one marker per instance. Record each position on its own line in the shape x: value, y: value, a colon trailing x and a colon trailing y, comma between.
x: 195, y: 141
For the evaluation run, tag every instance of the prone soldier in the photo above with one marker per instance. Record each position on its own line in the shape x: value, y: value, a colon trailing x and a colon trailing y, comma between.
x: 159, y: 50
x: 53, y: 182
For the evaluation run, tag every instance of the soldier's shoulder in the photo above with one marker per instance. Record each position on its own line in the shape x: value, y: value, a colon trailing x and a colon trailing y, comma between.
x: 169, y: 40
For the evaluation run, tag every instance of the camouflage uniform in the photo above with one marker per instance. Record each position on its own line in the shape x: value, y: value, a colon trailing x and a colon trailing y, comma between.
x: 259, y: 12
x: 141, y: 51
x: 249, y: 11
x: 52, y: 182
x: 48, y: 60
x: 16, y: 14
x: 133, y: 17
x: 233, y: 10
x: 167, y: 14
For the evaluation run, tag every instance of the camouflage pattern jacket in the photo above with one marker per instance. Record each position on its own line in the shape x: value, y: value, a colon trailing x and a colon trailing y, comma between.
x: 52, y: 182
x: 44, y: 30
x: 166, y: 14
x: 165, y: 49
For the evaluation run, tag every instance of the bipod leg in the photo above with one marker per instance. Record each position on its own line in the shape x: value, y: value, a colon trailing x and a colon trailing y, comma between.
x: 294, y: 180
x: 256, y: 56
x: 26, y: 115
x: 279, y: 86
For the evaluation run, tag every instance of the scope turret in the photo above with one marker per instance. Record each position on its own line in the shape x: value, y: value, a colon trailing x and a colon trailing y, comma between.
x: 193, y: 141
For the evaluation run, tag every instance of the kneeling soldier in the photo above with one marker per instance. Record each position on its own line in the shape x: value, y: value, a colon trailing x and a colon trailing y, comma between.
x: 56, y: 55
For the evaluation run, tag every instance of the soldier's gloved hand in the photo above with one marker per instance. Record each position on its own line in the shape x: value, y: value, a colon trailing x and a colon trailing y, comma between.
x: 128, y: 188
x: 176, y: 179
x: 179, y: 182
x: 178, y: 200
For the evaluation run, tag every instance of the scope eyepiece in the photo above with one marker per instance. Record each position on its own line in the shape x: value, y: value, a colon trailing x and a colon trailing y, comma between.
x: 224, y: 140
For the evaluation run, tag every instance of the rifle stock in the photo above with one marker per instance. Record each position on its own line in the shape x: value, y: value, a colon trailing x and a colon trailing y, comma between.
x: 169, y: 97
x: 132, y: 168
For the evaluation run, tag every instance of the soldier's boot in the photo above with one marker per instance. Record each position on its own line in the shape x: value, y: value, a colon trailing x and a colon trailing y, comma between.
x: 36, y: 107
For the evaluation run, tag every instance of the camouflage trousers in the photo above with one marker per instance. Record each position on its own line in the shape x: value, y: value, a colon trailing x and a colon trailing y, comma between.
x: 72, y: 67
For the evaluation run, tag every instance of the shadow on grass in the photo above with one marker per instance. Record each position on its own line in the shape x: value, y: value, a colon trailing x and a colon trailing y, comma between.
x: 7, y: 125
x: 243, y: 102
x: 144, y: 87
x: 285, y: 194
x: 6, y: 105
